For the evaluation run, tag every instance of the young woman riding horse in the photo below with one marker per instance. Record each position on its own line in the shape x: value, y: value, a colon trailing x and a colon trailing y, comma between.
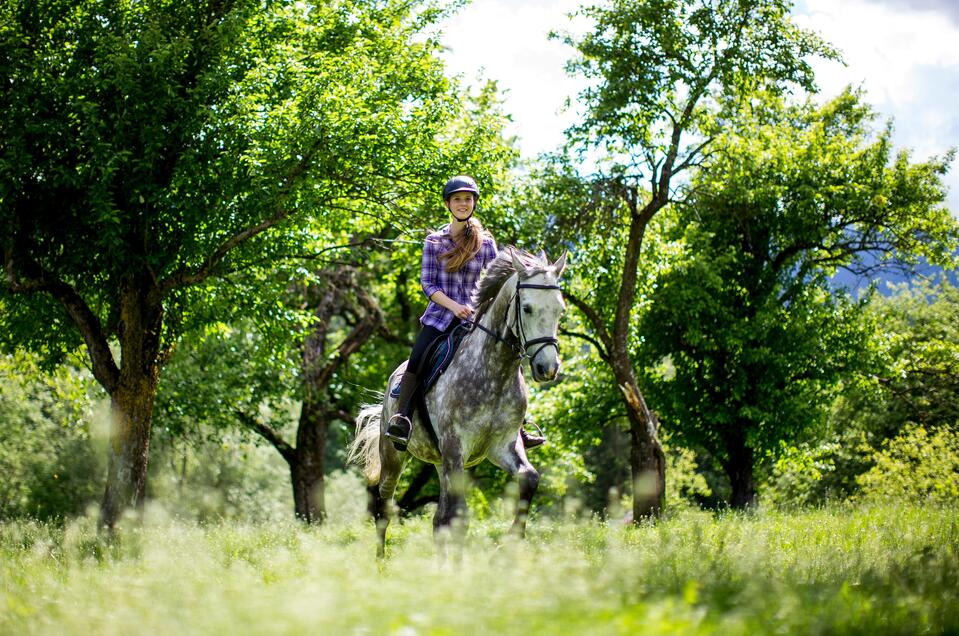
x: 477, y: 407
x: 453, y: 259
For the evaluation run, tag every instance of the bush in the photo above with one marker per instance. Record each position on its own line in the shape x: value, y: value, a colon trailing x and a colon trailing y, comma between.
x: 811, y: 474
x: 51, y: 466
x: 915, y: 465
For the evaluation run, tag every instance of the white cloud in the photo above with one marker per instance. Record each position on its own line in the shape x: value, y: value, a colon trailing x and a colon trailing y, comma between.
x: 905, y: 58
x: 507, y: 41
x: 947, y: 8
x: 907, y: 62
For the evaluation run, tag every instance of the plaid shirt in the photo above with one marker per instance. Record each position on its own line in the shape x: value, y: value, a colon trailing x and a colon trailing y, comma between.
x: 458, y: 285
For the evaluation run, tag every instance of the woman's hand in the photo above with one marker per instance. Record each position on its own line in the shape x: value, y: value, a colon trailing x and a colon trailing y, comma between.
x: 463, y: 312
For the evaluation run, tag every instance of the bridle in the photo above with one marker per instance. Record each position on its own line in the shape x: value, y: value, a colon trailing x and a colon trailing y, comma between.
x: 522, y: 347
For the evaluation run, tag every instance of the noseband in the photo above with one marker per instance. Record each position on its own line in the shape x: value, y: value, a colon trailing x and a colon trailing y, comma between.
x: 522, y: 348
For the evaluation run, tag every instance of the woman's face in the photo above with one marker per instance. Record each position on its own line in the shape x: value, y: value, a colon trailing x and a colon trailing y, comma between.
x: 461, y: 205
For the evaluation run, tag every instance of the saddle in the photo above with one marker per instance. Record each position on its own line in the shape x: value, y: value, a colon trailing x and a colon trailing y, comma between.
x: 436, y: 360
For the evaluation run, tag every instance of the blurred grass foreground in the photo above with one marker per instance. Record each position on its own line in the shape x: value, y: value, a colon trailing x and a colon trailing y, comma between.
x: 838, y: 570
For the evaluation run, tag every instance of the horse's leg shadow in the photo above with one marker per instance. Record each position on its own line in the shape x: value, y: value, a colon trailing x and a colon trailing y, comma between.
x: 512, y: 458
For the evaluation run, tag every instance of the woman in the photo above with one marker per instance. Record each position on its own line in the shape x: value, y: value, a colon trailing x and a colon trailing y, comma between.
x: 453, y: 259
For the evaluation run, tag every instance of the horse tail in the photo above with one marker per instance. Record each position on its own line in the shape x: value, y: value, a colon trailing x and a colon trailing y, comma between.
x: 365, y: 447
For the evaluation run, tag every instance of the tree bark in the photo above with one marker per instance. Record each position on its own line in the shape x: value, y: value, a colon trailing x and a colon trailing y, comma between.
x: 739, y: 469
x: 306, y: 467
x: 647, y: 459
x: 131, y: 401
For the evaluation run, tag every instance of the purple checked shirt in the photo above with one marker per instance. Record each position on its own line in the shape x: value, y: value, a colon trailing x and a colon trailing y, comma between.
x: 458, y: 285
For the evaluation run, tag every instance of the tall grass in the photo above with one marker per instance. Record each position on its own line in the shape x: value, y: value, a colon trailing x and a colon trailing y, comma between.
x: 840, y: 570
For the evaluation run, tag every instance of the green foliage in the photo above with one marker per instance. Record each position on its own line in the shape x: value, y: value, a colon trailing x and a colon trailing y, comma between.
x: 755, y: 342
x: 917, y: 465
x: 228, y: 478
x: 918, y: 346
x: 910, y: 381
x: 176, y: 141
x: 658, y: 65
x: 49, y: 463
x: 685, y: 485
x: 812, y: 473
x: 840, y: 570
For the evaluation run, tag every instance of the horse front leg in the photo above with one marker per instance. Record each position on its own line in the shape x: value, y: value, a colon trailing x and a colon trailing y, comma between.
x: 512, y: 458
x: 451, y: 518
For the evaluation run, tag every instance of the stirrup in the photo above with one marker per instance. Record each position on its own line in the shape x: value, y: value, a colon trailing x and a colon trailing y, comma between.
x: 398, y: 431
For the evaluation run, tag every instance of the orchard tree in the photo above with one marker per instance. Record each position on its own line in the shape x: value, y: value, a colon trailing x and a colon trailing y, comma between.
x: 349, y: 309
x: 660, y: 72
x: 239, y: 376
x: 745, y: 341
x: 149, y: 149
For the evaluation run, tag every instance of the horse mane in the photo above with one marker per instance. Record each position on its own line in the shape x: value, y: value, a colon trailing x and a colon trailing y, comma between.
x: 499, y: 271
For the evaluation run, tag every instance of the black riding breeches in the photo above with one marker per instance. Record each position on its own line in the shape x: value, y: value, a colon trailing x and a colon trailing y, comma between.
x: 426, y: 336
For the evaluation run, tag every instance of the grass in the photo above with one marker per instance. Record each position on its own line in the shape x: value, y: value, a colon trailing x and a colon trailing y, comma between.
x: 839, y: 570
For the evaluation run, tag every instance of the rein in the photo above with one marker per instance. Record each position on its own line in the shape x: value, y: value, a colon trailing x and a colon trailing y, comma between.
x: 521, y: 349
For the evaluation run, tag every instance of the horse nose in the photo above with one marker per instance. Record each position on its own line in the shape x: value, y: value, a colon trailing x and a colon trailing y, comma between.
x: 546, y: 371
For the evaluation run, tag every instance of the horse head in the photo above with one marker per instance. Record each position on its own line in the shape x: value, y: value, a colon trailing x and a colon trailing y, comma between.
x: 535, y: 311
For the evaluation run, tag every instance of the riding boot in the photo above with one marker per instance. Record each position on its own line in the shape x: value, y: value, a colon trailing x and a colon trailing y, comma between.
x: 530, y: 440
x: 400, y: 426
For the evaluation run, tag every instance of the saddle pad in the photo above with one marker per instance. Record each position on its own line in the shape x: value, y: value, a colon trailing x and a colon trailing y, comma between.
x: 437, y: 359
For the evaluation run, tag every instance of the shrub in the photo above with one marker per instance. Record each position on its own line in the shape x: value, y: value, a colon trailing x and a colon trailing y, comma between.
x: 915, y: 465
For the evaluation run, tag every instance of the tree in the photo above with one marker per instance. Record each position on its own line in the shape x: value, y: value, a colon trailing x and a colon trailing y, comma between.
x: 918, y: 381
x: 661, y: 72
x: 755, y: 339
x: 152, y: 148
x: 258, y: 385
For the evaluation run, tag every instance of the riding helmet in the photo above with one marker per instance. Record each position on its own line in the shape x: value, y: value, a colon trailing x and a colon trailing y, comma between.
x: 460, y: 183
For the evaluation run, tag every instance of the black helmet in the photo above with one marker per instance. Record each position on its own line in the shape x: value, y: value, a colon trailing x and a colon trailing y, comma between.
x: 462, y: 183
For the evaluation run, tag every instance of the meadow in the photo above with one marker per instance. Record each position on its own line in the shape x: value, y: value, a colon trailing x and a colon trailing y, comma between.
x: 846, y: 569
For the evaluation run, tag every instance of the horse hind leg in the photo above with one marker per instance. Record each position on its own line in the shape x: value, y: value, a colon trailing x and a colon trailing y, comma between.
x: 381, y: 494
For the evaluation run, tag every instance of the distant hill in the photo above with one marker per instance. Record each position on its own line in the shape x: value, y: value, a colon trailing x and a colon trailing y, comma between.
x: 848, y: 280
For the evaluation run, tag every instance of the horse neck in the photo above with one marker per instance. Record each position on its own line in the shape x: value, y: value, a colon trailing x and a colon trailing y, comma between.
x: 486, y: 350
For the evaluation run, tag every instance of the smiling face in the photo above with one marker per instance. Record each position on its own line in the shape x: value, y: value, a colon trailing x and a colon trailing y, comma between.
x: 461, y: 205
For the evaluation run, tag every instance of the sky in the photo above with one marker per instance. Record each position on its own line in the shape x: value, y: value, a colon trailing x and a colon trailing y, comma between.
x: 904, y: 54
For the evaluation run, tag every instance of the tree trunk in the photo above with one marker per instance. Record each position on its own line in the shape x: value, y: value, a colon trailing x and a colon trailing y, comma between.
x: 306, y: 469
x: 131, y: 409
x: 739, y: 469
x: 132, y: 399
x: 647, y: 459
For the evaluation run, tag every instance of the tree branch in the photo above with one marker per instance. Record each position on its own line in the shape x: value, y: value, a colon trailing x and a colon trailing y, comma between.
x: 184, y: 278
x: 599, y: 326
x: 104, y: 367
x: 582, y: 336
x: 269, y: 434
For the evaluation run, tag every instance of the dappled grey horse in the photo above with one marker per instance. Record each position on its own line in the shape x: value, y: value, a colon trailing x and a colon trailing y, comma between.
x: 478, y: 405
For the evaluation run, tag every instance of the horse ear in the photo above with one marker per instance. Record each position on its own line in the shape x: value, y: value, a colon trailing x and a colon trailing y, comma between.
x: 542, y: 255
x: 560, y: 264
x: 517, y: 263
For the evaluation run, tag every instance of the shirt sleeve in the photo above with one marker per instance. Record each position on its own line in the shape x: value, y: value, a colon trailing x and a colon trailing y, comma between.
x: 429, y: 269
x: 490, y: 250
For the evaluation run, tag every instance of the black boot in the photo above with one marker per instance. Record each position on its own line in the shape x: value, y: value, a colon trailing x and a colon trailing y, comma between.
x: 401, y: 427
x: 530, y: 440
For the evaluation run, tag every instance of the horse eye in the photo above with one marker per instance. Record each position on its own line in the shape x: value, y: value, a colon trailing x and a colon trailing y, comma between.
x: 527, y: 309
